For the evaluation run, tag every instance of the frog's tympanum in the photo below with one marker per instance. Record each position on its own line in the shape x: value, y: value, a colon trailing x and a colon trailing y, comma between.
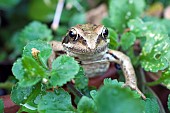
x: 88, y: 44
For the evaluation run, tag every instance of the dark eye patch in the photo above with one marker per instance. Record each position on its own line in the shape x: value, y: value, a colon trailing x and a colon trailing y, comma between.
x: 66, y: 39
x: 105, y: 33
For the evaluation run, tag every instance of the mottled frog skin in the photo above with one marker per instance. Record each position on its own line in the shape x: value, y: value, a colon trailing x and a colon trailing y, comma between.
x: 88, y: 44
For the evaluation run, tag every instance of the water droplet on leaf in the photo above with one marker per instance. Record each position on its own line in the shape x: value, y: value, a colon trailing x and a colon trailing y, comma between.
x: 25, y: 97
x: 45, y: 103
x: 130, y: 1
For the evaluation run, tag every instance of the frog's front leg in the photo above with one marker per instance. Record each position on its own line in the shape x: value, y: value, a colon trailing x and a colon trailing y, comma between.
x: 127, y: 68
x: 56, y: 47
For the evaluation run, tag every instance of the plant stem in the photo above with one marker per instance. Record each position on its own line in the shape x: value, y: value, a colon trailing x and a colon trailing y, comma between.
x: 6, y: 85
x: 144, y: 88
x: 74, y: 90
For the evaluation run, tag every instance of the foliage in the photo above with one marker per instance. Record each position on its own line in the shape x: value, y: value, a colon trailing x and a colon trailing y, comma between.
x: 81, y: 81
x: 155, y: 55
x: 86, y: 105
x: 110, y: 91
x: 64, y: 69
x: 58, y: 101
x: 130, y: 10
x: 150, y: 106
x: 34, y: 31
x: 1, y: 106
x: 6, y: 4
x: 25, y: 26
x: 32, y: 71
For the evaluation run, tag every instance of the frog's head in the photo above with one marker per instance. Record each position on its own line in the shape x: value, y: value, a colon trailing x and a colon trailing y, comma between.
x: 86, y: 39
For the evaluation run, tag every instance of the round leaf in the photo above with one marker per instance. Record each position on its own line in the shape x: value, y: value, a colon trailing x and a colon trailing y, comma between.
x: 56, y: 102
x: 18, y: 70
x: 154, y: 53
x: 127, y: 40
x: 112, y: 95
x: 64, y: 68
x: 86, y: 105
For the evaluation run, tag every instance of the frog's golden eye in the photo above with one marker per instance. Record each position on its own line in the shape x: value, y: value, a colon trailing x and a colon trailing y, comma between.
x: 105, y: 32
x: 73, y: 34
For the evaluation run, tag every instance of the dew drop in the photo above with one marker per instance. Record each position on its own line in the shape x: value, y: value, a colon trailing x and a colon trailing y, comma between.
x: 130, y: 1
x: 33, y: 69
x: 132, y: 27
x: 144, y: 28
x: 128, y: 13
x: 45, y: 103
x: 25, y: 97
x: 151, y: 34
x: 25, y: 70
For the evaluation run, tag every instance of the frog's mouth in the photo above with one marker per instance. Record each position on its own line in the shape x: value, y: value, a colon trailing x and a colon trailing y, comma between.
x: 87, y: 51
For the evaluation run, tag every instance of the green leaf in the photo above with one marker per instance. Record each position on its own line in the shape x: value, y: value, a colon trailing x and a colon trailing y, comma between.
x: 138, y: 27
x: 151, y: 106
x: 44, y: 48
x: 28, y: 71
x: 33, y: 31
x: 113, y: 36
x: 81, y: 81
x: 109, y: 81
x: 58, y: 101
x: 127, y: 40
x: 166, y: 23
x: 164, y: 79
x: 42, y: 10
x: 169, y: 102
x: 107, y: 22
x: 93, y: 94
x: 1, y: 106
x: 20, y: 94
x: 77, y: 18
x: 27, y: 97
x: 64, y: 68
x: 132, y: 55
x: 112, y: 94
x: 17, y: 69
x: 154, y: 53
x: 156, y: 24
x: 33, y: 72
x: 8, y: 3
x: 86, y: 105
x: 157, y: 27
x: 36, y: 30
x: 120, y: 16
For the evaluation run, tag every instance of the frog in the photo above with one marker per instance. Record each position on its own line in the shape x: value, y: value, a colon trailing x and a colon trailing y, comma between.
x: 88, y: 44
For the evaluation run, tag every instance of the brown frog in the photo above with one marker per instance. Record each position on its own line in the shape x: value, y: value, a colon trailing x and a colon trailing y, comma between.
x: 88, y: 44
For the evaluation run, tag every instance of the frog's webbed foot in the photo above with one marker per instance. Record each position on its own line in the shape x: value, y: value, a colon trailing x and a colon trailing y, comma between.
x: 127, y: 68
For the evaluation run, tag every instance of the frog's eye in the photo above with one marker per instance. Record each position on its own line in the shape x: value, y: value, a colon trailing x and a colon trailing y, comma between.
x: 105, y: 32
x: 73, y: 34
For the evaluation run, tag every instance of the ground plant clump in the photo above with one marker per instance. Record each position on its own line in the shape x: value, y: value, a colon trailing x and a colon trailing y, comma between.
x: 138, y: 28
